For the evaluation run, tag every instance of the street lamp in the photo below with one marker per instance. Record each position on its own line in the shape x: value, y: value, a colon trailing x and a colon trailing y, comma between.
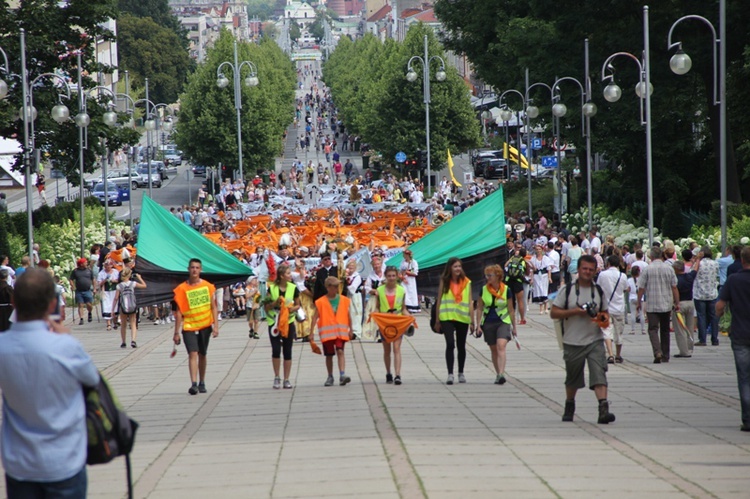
x: 680, y: 63
x: 110, y: 119
x: 506, y: 115
x: 532, y: 112
x: 28, y: 114
x: 588, y: 111
x: 411, y: 77
x: 612, y: 93
x: 251, y: 80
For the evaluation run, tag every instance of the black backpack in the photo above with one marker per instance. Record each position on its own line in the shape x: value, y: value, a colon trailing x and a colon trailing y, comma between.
x: 111, y: 432
x: 434, y: 317
x: 516, y: 268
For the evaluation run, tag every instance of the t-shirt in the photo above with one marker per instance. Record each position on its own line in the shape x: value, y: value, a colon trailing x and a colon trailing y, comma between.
x: 574, y: 254
x: 736, y: 292
x: 580, y: 330
x: 613, y: 283
x: 194, y: 302
x: 82, y: 279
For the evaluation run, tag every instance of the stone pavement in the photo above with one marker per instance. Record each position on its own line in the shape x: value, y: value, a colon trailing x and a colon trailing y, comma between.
x: 676, y: 435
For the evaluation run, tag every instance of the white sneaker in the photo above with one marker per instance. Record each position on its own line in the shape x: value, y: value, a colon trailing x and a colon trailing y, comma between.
x: 163, y: 321
x: 156, y: 322
x: 461, y: 378
x: 219, y: 316
x: 449, y: 381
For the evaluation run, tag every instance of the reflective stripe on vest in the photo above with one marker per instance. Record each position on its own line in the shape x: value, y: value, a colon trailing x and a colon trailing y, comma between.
x: 273, y: 291
x: 451, y: 310
x: 398, y: 304
x: 198, y: 316
x: 333, y: 326
x: 501, y: 306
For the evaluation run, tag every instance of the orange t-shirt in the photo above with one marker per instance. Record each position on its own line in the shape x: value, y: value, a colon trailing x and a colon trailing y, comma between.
x: 194, y: 302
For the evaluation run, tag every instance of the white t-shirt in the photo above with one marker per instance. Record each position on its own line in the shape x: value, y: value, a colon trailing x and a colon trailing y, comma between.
x: 632, y: 289
x: 586, y: 246
x: 614, y: 283
x: 640, y: 264
x: 554, y: 256
x: 596, y: 243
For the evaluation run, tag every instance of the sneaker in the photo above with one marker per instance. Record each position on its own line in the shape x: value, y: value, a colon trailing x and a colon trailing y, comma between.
x: 156, y: 322
x: 343, y: 380
x: 500, y: 380
x: 193, y: 390
x: 91, y: 318
x: 449, y: 381
x: 201, y: 387
x: 287, y: 384
x: 220, y: 317
x: 389, y: 378
x: 461, y: 378
x: 251, y: 334
x: 397, y: 380
x: 276, y: 383
x: 700, y: 344
x: 162, y: 322
x: 133, y: 344
x: 80, y: 323
x: 255, y: 336
x: 329, y: 381
x: 123, y: 345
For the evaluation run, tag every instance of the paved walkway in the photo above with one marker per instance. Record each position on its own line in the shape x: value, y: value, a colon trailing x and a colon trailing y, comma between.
x: 676, y: 435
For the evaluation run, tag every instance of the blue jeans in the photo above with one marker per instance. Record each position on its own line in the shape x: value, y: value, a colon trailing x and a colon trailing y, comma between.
x: 706, y: 310
x: 742, y: 363
x: 71, y: 488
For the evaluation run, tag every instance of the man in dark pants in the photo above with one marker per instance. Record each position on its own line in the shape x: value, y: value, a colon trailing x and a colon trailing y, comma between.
x: 736, y: 292
x: 659, y: 283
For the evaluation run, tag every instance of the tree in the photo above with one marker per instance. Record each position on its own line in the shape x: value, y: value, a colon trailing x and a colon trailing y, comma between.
x: 207, y: 132
x: 386, y: 110
x: 317, y: 28
x: 55, y: 31
x: 263, y: 9
x: 159, y: 12
x: 503, y: 37
x: 151, y: 51
x: 294, y: 30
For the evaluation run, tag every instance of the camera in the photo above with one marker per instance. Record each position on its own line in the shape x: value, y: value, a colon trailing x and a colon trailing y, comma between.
x: 591, y: 308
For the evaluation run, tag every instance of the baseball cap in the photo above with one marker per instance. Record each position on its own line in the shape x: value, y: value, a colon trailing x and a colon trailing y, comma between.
x: 81, y: 261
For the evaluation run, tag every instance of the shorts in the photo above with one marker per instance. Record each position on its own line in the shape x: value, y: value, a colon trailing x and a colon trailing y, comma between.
x: 515, y: 286
x: 494, y: 331
x: 330, y: 347
x: 575, y: 358
x: 85, y: 296
x: 197, y: 341
x: 614, y: 331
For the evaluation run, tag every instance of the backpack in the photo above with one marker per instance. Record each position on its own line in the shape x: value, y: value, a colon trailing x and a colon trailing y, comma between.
x: 111, y: 432
x: 561, y: 322
x: 127, y: 301
x: 516, y: 269
x: 433, y: 318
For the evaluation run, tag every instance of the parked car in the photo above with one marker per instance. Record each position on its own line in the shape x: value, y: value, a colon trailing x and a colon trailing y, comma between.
x: 173, y: 157
x: 118, y: 177
x: 155, y: 175
x: 114, y: 194
x: 199, y: 170
x: 482, y: 155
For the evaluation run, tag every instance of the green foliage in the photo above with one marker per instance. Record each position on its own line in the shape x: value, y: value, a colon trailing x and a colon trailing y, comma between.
x: 503, y: 37
x: 159, y: 12
x: 261, y: 8
x: 738, y: 229
x: 294, y: 30
x: 54, y: 30
x: 317, y: 28
x: 206, y: 131
x: 517, y: 196
x: 368, y: 84
x: 151, y: 51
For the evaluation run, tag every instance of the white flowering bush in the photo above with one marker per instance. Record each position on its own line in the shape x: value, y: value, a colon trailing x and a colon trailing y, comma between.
x: 623, y: 231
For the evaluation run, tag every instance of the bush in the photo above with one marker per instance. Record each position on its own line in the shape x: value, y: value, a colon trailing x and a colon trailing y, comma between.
x: 516, y: 196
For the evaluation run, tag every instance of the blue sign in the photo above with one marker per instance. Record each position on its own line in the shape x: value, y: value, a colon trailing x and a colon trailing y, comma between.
x: 536, y: 144
x: 549, y: 161
x: 400, y: 156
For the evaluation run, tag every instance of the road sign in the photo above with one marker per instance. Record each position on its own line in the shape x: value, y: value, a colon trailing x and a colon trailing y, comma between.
x: 549, y: 161
x: 536, y: 144
x: 400, y: 156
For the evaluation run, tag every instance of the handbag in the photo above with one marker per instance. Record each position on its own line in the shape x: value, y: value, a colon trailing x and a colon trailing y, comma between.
x: 433, y: 319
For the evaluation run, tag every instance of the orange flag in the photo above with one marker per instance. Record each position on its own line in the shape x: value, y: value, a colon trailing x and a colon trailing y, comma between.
x: 392, y: 326
x: 282, y: 321
x: 314, y: 346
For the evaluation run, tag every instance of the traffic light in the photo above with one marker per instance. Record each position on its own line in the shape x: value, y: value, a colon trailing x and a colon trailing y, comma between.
x: 410, y: 164
x: 422, y: 160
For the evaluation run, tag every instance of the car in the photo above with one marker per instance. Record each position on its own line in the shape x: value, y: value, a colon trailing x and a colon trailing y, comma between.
x: 199, y: 170
x: 482, y: 155
x: 119, y: 177
x: 491, y: 168
x: 156, y: 166
x: 115, y: 195
x: 173, y: 157
x: 155, y: 175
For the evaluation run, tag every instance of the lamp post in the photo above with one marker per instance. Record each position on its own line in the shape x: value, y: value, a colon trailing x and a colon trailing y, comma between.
x: 588, y: 110
x: 532, y: 112
x: 506, y: 114
x: 60, y: 113
x: 612, y: 93
x: 680, y: 63
x: 110, y: 119
x: 250, y: 81
x: 160, y: 124
x: 411, y: 76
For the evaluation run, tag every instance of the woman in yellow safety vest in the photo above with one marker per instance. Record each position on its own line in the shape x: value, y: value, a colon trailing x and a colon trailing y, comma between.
x: 455, y: 314
x: 282, y: 291
x: 496, y: 318
x: 392, y: 299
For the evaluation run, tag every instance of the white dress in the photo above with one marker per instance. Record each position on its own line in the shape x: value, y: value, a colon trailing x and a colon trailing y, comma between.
x: 354, y: 283
x: 108, y: 285
x: 410, y: 284
x: 541, y: 280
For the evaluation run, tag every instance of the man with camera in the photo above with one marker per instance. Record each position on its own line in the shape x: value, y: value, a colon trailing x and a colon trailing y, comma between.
x: 582, y: 308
